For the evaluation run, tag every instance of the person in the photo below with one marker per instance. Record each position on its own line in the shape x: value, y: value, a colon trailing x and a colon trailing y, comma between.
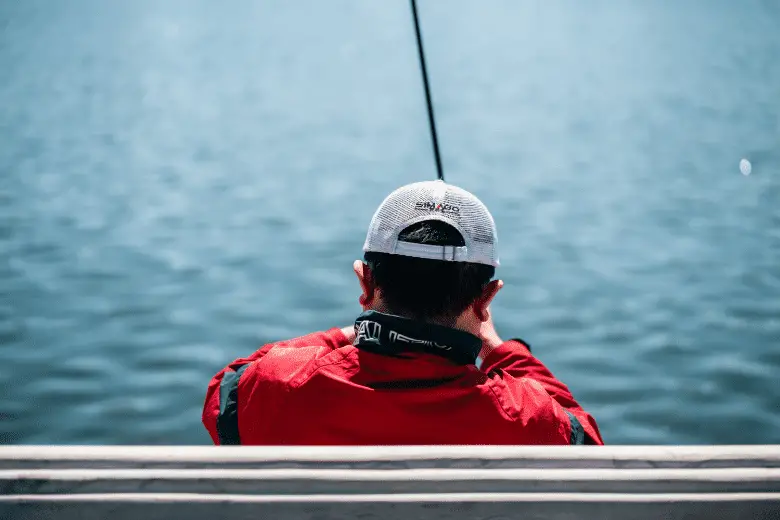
x: 423, y: 364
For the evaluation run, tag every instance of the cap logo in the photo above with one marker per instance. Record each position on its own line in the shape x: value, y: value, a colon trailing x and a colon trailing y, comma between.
x: 447, y: 209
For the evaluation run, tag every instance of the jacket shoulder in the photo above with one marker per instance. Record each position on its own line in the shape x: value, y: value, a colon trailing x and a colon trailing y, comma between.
x: 283, y: 364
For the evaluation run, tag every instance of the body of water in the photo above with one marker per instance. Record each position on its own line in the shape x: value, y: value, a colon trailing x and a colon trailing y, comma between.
x: 182, y: 181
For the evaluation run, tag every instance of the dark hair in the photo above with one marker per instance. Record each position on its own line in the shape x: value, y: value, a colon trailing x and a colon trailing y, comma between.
x: 428, y: 289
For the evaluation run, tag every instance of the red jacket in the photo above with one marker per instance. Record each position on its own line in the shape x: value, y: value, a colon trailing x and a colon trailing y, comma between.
x: 321, y: 389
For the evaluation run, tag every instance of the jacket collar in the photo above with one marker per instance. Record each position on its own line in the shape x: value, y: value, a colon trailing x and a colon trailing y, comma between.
x: 393, y: 335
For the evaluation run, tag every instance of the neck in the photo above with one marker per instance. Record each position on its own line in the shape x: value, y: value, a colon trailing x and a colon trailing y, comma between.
x: 440, y: 321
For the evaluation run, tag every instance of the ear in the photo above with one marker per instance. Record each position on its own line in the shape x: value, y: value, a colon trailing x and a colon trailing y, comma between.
x: 367, y: 285
x: 481, y: 305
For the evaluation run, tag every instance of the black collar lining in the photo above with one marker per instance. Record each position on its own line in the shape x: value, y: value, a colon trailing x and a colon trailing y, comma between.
x: 393, y: 335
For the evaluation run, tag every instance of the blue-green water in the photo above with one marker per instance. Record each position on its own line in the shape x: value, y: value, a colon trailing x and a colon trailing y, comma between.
x: 183, y: 181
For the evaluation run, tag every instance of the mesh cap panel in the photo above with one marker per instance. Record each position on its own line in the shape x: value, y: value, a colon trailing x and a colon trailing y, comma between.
x: 434, y: 200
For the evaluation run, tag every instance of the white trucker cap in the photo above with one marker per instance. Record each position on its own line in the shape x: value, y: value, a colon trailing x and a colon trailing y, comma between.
x: 434, y: 200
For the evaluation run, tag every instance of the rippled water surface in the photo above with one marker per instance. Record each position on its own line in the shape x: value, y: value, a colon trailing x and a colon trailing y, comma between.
x: 183, y: 181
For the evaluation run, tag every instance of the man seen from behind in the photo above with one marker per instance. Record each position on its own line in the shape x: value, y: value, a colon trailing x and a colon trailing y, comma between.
x: 407, y: 371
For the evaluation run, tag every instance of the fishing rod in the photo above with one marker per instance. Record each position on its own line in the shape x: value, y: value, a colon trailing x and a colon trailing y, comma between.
x: 431, y: 120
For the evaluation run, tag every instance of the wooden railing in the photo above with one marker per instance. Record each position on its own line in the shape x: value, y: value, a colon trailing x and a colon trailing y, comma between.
x: 456, y: 482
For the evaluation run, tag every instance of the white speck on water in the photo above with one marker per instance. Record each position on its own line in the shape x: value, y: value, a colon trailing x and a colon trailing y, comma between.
x: 745, y: 167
